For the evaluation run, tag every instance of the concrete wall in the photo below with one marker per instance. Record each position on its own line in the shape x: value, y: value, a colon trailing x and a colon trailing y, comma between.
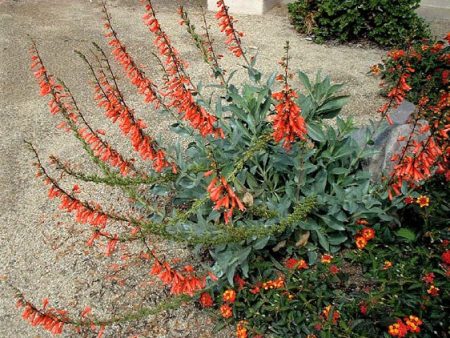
x: 256, y: 7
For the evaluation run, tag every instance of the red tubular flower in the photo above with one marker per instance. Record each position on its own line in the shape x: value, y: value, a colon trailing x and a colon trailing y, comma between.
x: 180, y: 282
x: 178, y: 87
x: 226, y: 25
x: 144, y: 85
x: 59, y: 104
x: 224, y: 197
x: 288, y: 123
x: 115, y: 108
x: 49, y: 319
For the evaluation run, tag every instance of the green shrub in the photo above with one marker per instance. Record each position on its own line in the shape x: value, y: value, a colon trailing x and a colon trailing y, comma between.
x: 384, y: 22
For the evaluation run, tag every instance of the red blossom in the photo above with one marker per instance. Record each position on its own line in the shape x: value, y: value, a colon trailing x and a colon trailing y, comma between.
x: 288, y: 123
x: 178, y: 88
x: 334, y: 269
x: 224, y: 197
x: 206, y: 300
x: 226, y: 311
x: 239, y: 281
x: 226, y: 24
x: 49, y: 319
x: 446, y: 257
x: 398, y: 329
x: 111, y: 101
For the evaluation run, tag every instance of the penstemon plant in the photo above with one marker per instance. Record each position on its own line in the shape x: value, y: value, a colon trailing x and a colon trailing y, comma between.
x: 262, y: 174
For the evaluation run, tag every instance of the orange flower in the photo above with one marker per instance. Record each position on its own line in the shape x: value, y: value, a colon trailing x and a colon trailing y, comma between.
x: 229, y: 296
x: 241, y: 330
x: 423, y: 201
x: 413, y: 323
x: 326, y: 258
x: 399, y: 329
x: 326, y: 312
x: 273, y: 284
x: 368, y: 233
x: 293, y: 263
x: 375, y: 70
x: 387, y: 265
x: 226, y: 311
x: 361, y: 242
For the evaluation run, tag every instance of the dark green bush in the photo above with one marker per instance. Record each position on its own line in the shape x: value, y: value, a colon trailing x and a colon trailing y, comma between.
x: 385, y: 22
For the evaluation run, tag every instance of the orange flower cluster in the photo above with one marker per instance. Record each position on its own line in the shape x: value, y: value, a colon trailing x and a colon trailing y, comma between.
x: 387, y: 265
x: 226, y: 311
x: 288, y: 123
x: 229, y: 296
x: 206, y: 300
x: 363, y: 237
x: 398, y: 329
x: 226, y: 24
x: 51, y: 319
x: 181, y: 282
x: 326, y: 258
x: 177, y: 87
x: 293, y: 263
x: 273, y: 284
x: 115, y: 108
x: 241, y: 329
x: 401, y: 328
x: 224, y: 197
x: 58, y: 104
x: 326, y: 312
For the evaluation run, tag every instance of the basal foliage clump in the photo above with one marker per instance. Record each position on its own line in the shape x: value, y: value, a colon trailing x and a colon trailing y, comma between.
x: 387, y: 23
x: 264, y: 182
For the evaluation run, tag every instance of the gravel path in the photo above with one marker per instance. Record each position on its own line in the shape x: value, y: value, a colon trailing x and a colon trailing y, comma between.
x: 43, y: 253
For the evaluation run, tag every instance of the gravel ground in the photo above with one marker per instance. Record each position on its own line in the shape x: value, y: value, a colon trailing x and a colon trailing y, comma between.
x: 42, y: 252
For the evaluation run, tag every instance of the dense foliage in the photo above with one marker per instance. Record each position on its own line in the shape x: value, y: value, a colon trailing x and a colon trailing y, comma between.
x: 387, y: 23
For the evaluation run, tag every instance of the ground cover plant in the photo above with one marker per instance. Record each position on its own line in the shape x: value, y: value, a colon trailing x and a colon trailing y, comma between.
x: 293, y: 237
x: 387, y: 23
